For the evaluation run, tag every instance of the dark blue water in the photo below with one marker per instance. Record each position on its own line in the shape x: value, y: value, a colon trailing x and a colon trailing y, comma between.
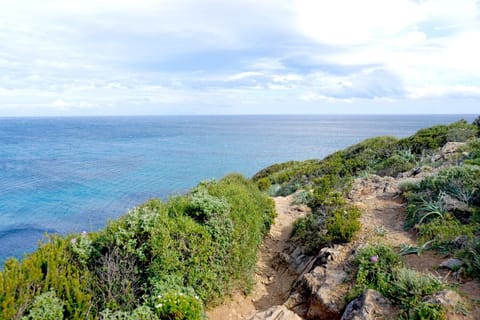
x: 72, y: 174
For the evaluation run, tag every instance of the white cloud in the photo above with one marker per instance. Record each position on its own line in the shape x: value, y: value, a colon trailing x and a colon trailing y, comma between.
x: 243, y: 75
x: 95, y: 55
x: 347, y: 22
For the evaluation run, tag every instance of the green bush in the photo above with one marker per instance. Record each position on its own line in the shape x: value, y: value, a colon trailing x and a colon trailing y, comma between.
x: 471, y: 256
x: 174, y: 305
x: 46, y: 307
x: 476, y: 123
x: 381, y: 269
x: 332, y: 220
x: 342, y: 224
x: 442, y: 233
x: 473, y: 150
x: 394, y: 165
x: 206, y: 240
x: 435, y: 137
x: 50, y: 268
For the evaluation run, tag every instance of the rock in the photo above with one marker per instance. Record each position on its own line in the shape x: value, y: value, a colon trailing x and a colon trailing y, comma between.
x: 453, y: 204
x: 376, y: 186
x: 317, y: 294
x: 416, y: 171
x: 371, y: 305
x: 460, y: 242
x: 452, y: 264
x: 449, y: 149
x: 446, y: 298
x: 276, y: 313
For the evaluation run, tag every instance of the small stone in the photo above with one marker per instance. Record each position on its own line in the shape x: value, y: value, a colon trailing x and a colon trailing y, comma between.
x: 446, y: 298
x: 452, y: 264
x: 276, y: 313
x: 460, y: 242
x: 371, y: 305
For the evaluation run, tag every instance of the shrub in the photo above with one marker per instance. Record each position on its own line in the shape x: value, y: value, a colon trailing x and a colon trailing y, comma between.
x: 381, y: 269
x: 332, y: 221
x: 461, y: 134
x: 471, y: 256
x: 473, y: 150
x: 376, y: 266
x: 174, y: 305
x: 264, y: 184
x: 394, y: 165
x: 442, y: 233
x: 342, y: 224
x: 50, y: 268
x: 206, y: 240
x: 46, y: 307
x: 476, y: 123
x: 435, y: 137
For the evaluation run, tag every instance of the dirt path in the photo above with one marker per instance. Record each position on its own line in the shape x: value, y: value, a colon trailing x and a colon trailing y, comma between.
x: 272, y: 281
x: 383, y: 215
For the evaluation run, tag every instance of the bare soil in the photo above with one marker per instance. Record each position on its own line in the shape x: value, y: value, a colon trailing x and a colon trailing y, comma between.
x: 381, y: 222
x: 272, y: 281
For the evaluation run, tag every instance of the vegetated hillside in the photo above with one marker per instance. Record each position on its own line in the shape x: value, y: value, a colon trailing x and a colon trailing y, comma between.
x: 168, y: 260
x: 162, y: 260
x: 443, y: 198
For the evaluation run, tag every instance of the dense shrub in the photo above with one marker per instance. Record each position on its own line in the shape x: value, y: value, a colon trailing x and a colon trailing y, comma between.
x: 441, y: 233
x: 435, y: 137
x: 394, y: 165
x: 476, y: 123
x: 50, y: 268
x: 190, y: 251
x: 174, y: 305
x: 332, y: 220
x: 471, y: 256
x: 46, y: 307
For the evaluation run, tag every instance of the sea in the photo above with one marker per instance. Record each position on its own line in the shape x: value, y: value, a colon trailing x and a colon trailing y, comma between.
x: 62, y: 175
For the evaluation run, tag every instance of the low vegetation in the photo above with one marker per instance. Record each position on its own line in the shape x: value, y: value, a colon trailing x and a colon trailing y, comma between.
x: 381, y: 269
x: 170, y: 260
x: 164, y: 260
x: 327, y: 182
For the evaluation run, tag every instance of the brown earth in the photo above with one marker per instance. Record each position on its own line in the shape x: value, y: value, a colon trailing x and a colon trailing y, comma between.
x: 383, y: 215
x: 273, y: 281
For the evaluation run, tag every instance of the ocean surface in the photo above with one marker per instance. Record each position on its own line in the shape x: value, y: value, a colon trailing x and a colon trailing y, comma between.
x: 61, y: 175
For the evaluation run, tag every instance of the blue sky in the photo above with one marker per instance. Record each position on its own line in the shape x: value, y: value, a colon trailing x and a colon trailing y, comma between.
x: 123, y: 57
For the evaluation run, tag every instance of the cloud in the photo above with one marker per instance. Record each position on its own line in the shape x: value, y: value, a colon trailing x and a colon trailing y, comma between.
x: 159, y: 56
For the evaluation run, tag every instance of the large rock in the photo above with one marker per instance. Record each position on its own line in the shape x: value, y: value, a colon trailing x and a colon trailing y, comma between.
x: 374, y: 186
x: 453, y: 204
x: 446, y: 298
x: 452, y: 264
x: 318, y: 294
x: 449, y: 149
x: 276, y: 313
x: 371, y: 305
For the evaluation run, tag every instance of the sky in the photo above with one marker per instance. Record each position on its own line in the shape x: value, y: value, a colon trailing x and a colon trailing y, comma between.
x: 175, y: 57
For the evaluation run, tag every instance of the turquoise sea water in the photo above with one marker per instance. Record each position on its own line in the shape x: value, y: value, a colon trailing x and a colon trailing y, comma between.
x: 72, y: 174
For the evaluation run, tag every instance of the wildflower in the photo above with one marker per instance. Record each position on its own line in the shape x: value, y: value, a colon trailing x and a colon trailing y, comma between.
x: 374, y: 258
x: 159, y: 306
x: 73, y: 241
x: 84, y: 233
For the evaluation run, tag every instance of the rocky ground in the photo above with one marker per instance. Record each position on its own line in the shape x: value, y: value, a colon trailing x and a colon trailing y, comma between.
x: 290, y: 285
x: 273, y: 279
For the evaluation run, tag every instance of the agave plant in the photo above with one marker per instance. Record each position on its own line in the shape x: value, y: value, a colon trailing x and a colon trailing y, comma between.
x: 433, y: 209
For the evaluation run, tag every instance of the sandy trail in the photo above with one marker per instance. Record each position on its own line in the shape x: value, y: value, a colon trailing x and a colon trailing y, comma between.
x: 272, y: 281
